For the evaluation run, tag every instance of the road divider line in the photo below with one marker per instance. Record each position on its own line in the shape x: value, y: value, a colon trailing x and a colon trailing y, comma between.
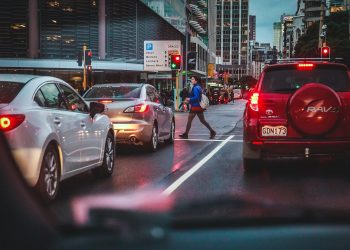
x: 194, y: 169
x: 208, y: 140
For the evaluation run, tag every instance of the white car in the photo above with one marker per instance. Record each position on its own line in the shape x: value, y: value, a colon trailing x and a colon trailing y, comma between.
x: 52, y: 132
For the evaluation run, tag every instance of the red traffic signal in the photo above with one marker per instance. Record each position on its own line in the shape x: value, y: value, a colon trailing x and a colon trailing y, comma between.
x: 88, y: 57
x: 325, y: 52
x: 175, y: 62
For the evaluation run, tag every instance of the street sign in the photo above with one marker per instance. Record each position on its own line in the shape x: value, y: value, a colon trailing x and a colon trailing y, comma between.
x: 157, y: 54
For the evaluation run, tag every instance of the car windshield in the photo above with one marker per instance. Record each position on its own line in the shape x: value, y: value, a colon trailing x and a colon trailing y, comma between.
x: 9, y: 90
x: 118, y: 92
x: 293, y: 79
x: 101, y: 103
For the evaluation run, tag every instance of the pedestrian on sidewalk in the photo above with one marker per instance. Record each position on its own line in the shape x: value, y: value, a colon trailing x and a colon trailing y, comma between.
x: 196, y: 110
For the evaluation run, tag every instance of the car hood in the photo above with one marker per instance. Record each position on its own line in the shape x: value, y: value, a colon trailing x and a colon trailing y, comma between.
x: 218, y: 209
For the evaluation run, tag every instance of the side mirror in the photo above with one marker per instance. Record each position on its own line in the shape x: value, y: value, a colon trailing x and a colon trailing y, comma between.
x: 96, y: 108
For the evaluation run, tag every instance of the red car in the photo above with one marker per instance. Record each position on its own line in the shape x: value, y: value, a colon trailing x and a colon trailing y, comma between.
x: 298, y: 110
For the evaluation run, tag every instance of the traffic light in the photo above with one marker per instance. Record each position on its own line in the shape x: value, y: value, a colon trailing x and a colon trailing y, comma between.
x: 175, y: 62
x: 88, y: 57
x: 80, y: 59
x: 325, y: 52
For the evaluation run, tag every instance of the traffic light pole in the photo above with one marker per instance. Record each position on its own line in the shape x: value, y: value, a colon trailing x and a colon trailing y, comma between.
x: 84, y: 77
x: 177, y: 80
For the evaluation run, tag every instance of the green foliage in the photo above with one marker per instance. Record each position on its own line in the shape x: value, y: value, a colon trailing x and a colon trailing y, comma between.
x: 337, y: 38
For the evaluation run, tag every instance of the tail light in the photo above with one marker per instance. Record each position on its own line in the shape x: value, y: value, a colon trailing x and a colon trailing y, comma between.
x: 305, y: 66
x: 140, y: 108
x: 106, y: 101
x: 9, y: 122
x: 254, y: 102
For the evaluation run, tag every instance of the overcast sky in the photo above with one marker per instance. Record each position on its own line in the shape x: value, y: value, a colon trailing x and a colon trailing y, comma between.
x: 267, y: 12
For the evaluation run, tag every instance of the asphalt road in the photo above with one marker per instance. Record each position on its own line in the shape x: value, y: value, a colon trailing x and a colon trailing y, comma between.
x: 202, y: 168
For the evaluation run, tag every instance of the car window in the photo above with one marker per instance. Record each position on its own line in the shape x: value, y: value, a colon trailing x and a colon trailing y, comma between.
x: 151, y: 94
x: 50, y: 97
x: 9, y: 90
x: 114, y: 92
x: 293, y: 79
x: 39, y: 98
x: 75, y: 103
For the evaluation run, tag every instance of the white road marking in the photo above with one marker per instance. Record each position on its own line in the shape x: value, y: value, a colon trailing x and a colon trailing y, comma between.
x: 194, y: 169
x: 206, y: 140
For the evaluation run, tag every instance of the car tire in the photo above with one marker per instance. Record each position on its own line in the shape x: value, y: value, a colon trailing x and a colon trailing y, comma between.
x: 251, y: 166
x: 172, y: 133
x: 49, y: 178
x: 152, y: 144
x: 107, y: 167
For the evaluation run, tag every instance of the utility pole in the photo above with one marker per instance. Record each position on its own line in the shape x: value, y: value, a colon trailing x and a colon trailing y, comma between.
x: 84, y: 77
x: 320, y: 42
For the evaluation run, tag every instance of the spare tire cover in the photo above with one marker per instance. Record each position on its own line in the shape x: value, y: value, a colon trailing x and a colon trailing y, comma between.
x: 314, y: 109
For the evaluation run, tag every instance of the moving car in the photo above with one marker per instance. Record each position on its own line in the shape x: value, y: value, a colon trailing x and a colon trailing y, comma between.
x: 52, y: 132
x: 137, y: 112
x: 298, y: 110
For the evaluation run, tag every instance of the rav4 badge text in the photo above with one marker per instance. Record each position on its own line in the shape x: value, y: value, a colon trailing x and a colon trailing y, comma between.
x: 322, y: 109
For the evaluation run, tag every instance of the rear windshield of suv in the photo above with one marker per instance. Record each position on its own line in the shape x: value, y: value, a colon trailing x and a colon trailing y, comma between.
x: 114, y: 92
x: 9, y: 90
x: 289, y: 79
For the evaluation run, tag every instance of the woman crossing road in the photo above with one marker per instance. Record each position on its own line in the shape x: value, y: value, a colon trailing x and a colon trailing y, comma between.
x: 196, y: 109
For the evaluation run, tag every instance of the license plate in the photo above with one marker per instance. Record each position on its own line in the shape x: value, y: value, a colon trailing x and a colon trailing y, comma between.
x: 274, y: 131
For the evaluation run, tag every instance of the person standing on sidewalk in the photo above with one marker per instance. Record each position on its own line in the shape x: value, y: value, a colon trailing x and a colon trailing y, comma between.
x: 194, y: 100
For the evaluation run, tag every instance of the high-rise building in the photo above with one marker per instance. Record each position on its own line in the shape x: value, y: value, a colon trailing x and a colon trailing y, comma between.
x: 298, y: 23
x: 45, y: 36
x: 252, y: 28
x: 212, y: 31
x: 287, y: 35
x: 202, y: 24
x: 277, y: 36
x: 338, y: 5
x: 313, y: 11
x: 232, y: 36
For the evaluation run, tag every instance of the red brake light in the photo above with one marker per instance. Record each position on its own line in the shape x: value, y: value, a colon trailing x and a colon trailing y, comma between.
x: 9, y: 122
x: 306, y: 66
x: 254, y: 102
x: 140, y: 108
x: 106, y: 101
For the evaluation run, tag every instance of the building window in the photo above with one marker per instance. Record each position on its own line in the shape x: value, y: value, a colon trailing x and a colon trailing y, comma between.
x: 66, y: 26
x: 13, y: 28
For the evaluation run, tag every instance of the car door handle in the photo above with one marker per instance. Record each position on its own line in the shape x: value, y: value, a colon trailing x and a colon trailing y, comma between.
x: 57, y: 120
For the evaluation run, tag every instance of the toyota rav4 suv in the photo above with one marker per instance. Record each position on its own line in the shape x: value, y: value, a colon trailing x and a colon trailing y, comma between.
x: 298, y: 110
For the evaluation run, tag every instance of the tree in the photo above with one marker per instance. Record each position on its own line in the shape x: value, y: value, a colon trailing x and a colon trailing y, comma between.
x: 337, y: 38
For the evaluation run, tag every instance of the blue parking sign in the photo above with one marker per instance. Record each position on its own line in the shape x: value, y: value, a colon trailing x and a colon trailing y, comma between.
x: 149, y: 46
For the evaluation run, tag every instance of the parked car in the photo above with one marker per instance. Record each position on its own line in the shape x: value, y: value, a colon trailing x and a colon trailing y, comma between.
x: 298, y: 110
x: 137, y: 112
x: 52, y: 132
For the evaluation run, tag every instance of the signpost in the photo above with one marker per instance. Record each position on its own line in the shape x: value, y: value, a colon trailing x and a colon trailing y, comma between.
x: 157, y: 57
x: 157, y: 54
